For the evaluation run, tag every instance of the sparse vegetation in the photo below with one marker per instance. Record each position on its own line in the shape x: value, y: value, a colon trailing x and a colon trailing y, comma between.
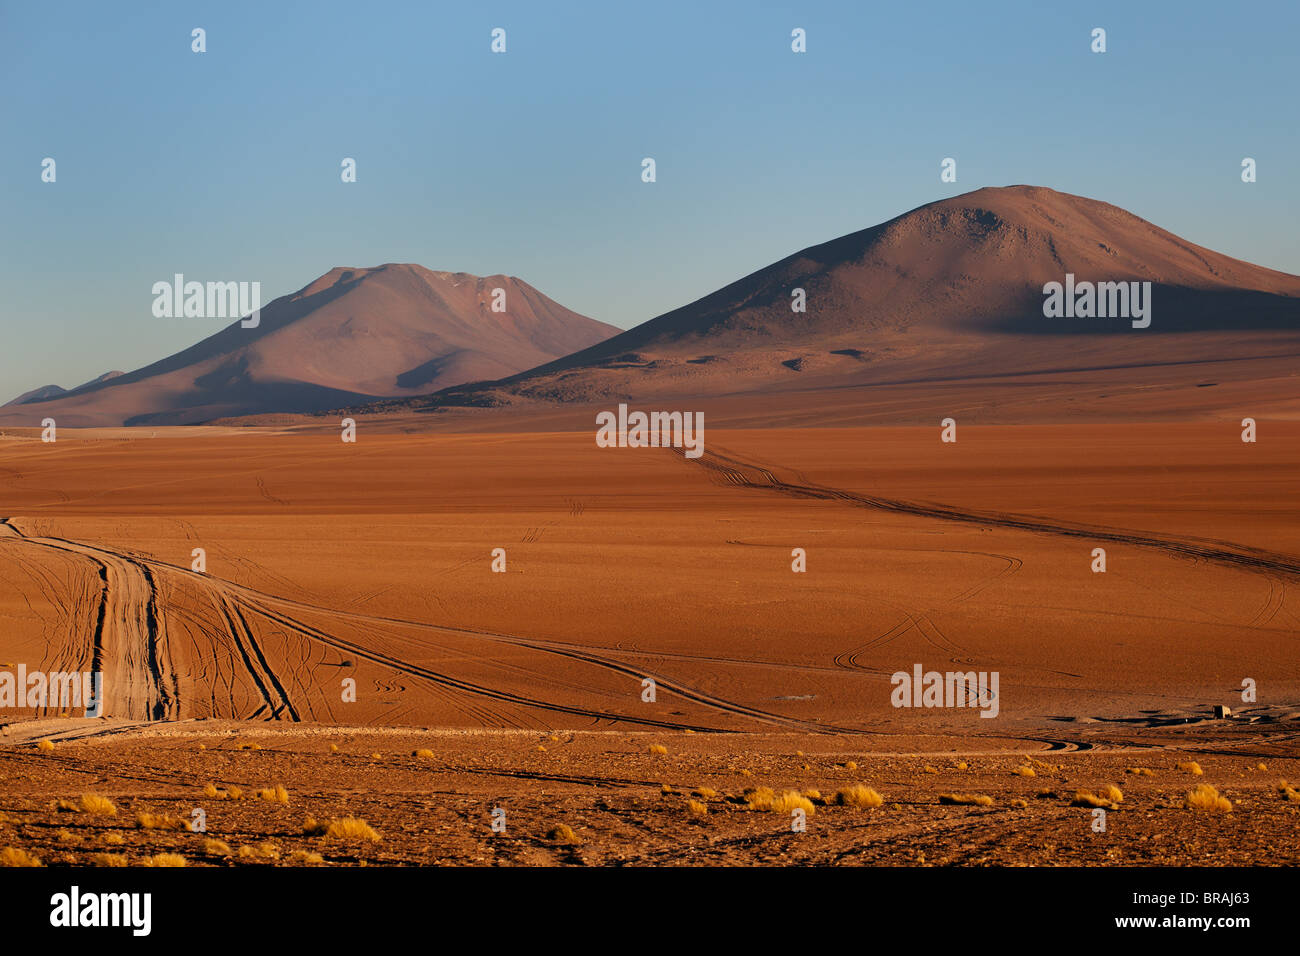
x: 562, y: 833
x: 1113, y: 793
x: 1025, y: 771
x: 1086, y: 798
x: 108, y: 859
x: 1205, y: 796
x: 263, y: 851
x: 276, y: 794
x: 13, y: 856
x: 45, y: 746
x: 765, y: 799
x: 98, y: 806
x: 858, y: 795
x: 1288, y: 792
x: 706, y: 793
x: 697, y: 809
x: 165, y: 859
x: 305, y: 856
x: 977, y: 799
x: 424, y: 754
x: 1191, y: 767
x: 159, y: 821
x: 352, y: 829
x: 213, y: 847
x: 658, y: 749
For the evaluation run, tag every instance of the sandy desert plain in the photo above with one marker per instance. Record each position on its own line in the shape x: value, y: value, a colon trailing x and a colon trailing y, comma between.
x: 522, y: 690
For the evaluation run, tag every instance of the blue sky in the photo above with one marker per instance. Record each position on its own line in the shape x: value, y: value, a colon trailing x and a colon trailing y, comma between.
x: 225, y: 165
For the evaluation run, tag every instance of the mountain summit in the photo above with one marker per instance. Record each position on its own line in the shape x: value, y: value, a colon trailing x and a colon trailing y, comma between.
x: 353, y: 335
x: 952, y: 289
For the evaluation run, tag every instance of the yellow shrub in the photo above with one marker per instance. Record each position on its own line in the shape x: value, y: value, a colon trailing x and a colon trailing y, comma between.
x: 98, y: 806
x: 1205, y: 797
x: 858, y: 795
x: 979, y: 800
x: 12, y: 856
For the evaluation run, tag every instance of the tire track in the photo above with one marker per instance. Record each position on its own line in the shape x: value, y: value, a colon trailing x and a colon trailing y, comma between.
x: 733, y: 471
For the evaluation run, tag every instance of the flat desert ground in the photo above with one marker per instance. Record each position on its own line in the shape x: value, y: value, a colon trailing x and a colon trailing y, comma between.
x: 330, y: 563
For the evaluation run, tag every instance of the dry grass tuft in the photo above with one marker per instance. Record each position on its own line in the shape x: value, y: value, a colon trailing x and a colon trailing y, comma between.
x: 1113, y: 793
x: 977, y: 799
x: 305, y: 856
x: 216, y: 847
x: 706, y: 793
x: 1205, y: 797
x: 351, y: 828
x: 159, y: 821
x: 1288, y: 792
x: 108, y: 859
x: 765, y: 799
x: 1141, y: 772
x: 12, y: 856
x: 929, y: 769
x: 250, y: 746
x: 424, y: 754
x: 276, y: 794
x: 63, y: 836
x: 813, y: 795
x: 697, y: 809
x: 263, y: 851
x: 66, y: 806
x: 658, y: 749
x: 210, y: 790
x: 334, y: 748
x: 1019, y: 804
x: 858, y: 795
x: 165, y: 859
x: 114, y: 839
x: 98, y: 806
x: 1086, y: 798
x: 963, y: 765
x: 1025, y: 771
x: 45, y: 746
x: 1191, y: 767
x: 562, y: 833
x: 850, y: 765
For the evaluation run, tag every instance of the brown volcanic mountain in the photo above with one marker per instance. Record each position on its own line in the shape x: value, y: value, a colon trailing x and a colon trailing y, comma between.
x: 351, y: 336
x: 950, y: 291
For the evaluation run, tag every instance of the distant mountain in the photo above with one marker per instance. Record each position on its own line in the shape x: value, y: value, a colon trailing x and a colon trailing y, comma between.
x: 47, y: 392
x: 351, y: 336
x: 951, y: 290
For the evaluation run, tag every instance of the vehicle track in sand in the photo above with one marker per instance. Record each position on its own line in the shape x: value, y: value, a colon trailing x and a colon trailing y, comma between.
x: 130, y: 610
x: 730, y: 469
x: 128, y: 639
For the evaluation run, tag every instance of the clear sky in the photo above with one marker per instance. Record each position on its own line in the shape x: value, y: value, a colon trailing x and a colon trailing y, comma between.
x: 225, y: 165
